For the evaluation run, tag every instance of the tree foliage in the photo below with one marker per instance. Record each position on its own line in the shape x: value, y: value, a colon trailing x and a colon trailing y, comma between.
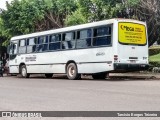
x: 27, y: 16
x: 147, y: 11
x: 144, y: 10
x: 20, y: 16
x: 94, y: 10
x: 55, y: 14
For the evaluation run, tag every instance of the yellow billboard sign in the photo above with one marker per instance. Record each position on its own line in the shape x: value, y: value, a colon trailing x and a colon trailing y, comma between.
x: 132, y: 33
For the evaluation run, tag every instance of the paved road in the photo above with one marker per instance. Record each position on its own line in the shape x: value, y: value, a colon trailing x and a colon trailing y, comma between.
x: 38, y: 93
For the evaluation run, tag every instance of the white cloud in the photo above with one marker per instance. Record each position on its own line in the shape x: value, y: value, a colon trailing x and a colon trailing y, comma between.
x: 3, y: 3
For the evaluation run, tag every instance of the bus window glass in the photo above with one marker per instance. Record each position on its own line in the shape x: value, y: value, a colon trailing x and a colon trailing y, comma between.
x: 68, y: 45
x: 68, y: 40
x: 84, y: 38
x: 42, y: 47
x: 55, y: 42
x: 42, y: 44
x: 22, y: 43
x: 22, y: 46
x: 55, y: 38
x: 69, y: 36
x: 84, y: 43
x: 31, y: 45
x: 54, y: 46
x: 84, y: 34
x: 42, y: 40
x: 102, y: 36
x: 31, y: 49
x: 31, y: 41
x: 100, y: 41
x: 102, y: 31
x: 13, y: 49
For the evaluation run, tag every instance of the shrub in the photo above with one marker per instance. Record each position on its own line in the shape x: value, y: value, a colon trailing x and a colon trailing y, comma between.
x: 154, y: 51
x: 154, y: 64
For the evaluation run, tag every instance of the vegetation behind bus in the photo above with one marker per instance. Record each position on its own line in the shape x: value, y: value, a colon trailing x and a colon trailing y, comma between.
x: 154, y: 59
x: 27, y: 16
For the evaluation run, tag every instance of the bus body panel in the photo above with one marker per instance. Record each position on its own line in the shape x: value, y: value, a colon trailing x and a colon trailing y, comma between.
x: 14, y: 69
x: 88, y: 60
x: 132, y: 56
x: 95, y: 60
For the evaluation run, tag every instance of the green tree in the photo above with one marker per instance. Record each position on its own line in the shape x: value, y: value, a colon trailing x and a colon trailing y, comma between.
x: 20, y: 16
x: 94, y: 10
x: 75, y: 18
x: 4, y: 35
x: 56, y: 13
x: 147, y: 11
x: 27, y: 16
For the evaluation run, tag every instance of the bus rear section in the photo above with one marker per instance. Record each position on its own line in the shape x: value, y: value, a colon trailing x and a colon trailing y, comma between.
x: 132, y: 50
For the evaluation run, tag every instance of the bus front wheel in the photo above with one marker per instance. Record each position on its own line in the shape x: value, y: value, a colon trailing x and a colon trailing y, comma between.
x: 24, y: 72
x: 72, y: 72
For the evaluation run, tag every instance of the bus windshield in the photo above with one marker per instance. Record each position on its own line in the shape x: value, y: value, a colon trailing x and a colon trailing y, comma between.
x: 131, y: 33
x: 13, y: 48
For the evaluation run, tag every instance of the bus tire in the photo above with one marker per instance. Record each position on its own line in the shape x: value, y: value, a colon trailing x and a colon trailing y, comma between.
x: 24, y: 73
x: 49, y: 75
x: 72, y: 72
x: 99, y: 75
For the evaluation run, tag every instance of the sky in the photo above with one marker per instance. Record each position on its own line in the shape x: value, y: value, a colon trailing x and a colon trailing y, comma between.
x: 3, y: 3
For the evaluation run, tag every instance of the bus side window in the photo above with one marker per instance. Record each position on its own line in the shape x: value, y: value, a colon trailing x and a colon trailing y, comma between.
x: 31, y: 45
x: 55, y: 42
x: 84, y: 38
x: 102, y: 36
x: 22, y: 46
x: 42, y: 44
x: 68, y: 40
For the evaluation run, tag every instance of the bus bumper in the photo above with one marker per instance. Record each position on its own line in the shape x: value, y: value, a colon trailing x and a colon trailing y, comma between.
x: 130, y: 67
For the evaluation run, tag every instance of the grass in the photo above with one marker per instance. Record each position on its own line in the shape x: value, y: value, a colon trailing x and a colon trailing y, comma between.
x: 154, y: 47
x: 155, y: 58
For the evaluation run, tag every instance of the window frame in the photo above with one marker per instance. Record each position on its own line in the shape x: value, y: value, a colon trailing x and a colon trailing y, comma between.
x: 84, y: 39
x: 61, y: 41
x: 111, y: 35
x: 25, y: 46
x: 39, y: 44
x: 36, y: 40
x: 55, y: 42
x: 72, y: 40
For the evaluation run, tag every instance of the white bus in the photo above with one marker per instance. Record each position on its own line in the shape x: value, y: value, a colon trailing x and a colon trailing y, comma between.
x: 115, y: 45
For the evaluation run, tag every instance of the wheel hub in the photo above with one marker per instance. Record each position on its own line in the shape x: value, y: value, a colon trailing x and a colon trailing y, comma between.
x: 23, y: 71
x: 71, y: 71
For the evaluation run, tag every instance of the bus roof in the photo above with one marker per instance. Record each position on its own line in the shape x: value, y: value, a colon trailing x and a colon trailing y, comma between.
x: 76, y: 27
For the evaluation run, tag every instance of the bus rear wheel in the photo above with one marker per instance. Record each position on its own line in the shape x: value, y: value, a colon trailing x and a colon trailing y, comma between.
x: 48, y: 75
x: 72, y: 72
x: 24, y: 72
x: 100, y: 75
